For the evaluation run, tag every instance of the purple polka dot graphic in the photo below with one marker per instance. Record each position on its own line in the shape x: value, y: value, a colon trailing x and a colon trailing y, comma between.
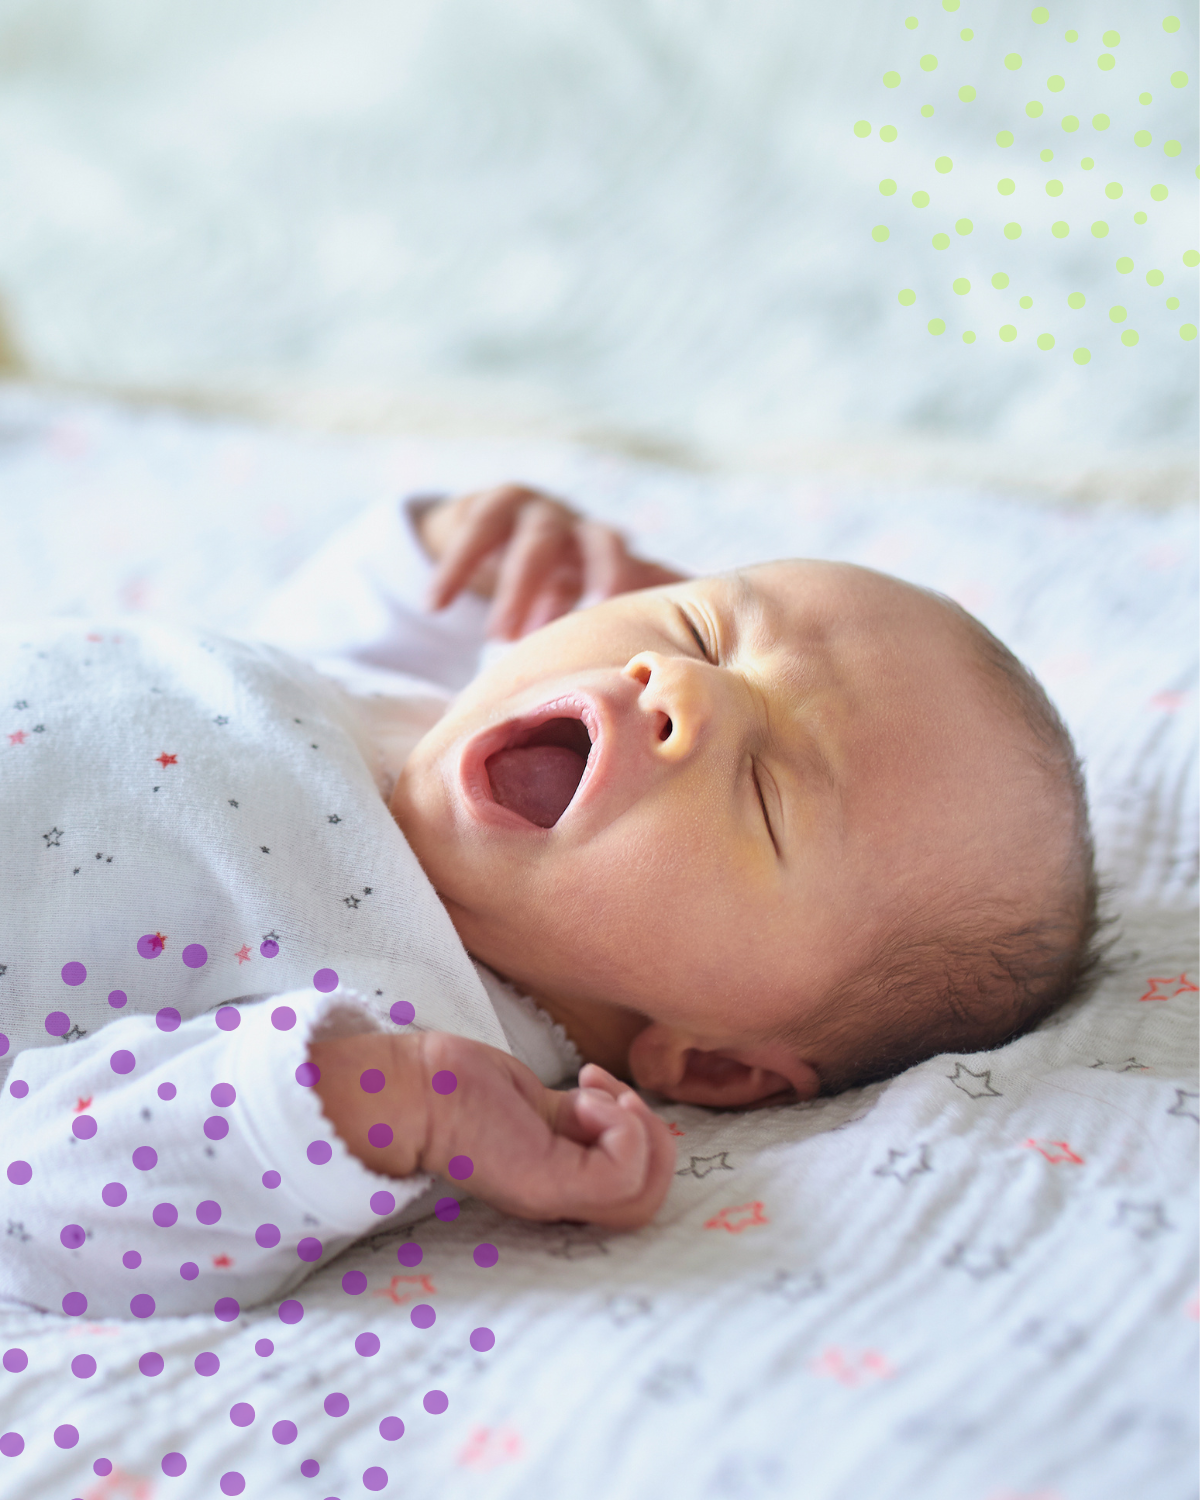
x: 423, y: 1316
x: 485, y: 1256
x: 226, y: 1309
x: 72, y: 1236
x: 309, y: 1248
x: 145, y: 1158
x: 284, y: 1432
x: 354, y: 1283
x: 325, y: 980
x: 319, y: 1152
x: 173, y: 1465
x: 83, y: 1127
x: 264, y: 1348
x: 15, y: 1360
x: 151, y: 1363
x: 114, y: 1194
x: 19, y: 1089
x: 402, y: 1013
x: 307, y: 1074
x: 222, y: 1094
x: 142, y: 1306
x: 102, y: 1467
x: 371, y: 1081
x: 58, y: 1023
x: 447, y: 1209
x: 73, y: 973
x: 375, y: 1478
x: 391, y: 1429
x: 460, y: 1167
x: 410, y: 1254
x: 367, y: 1344
x: 167, y: 1019
x: 150, y: 945
x: 189, y: 1270
x: 380, y: 1136
x: 283, y: 1018
x: 131, y: 1260
x: 74, y: 1304
x: 268, y: 948
x: 267, y: 1236
x: 118, y: 999
x: 435, y: 1402
x: 195, y: 955
x: 19, y: 1173
x: 11, y: 1444
x: 66, y: 1436
x: 271, y: 1179
x: 336, y: 1404
x: 482, y: 1339
x: 208, y: 1212
x: 122, y: 1061
x: 232, y: 1483
x: 164, y: 1215
x: 383, y: 1202
x: 310, y: 1468
x: 229, y: 1018
x: 216, y: 1127
x: 4, y: 1044
x: 241, y: 1414
x: 167, y: 1091
x: 444, y: 1082
x: 206, y: 1363
x: 291, y: 1311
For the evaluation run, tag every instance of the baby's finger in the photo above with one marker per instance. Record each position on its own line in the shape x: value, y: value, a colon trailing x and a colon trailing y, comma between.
x: 603, y: 552
x: 486, y: 522
x: 558, y: 595
x: 539, y: 541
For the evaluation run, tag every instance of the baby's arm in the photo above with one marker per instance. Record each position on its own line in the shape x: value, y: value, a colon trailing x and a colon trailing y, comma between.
x: 464, y: 1110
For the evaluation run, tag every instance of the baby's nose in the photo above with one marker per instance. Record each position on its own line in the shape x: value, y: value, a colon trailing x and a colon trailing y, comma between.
x: 676, y: 699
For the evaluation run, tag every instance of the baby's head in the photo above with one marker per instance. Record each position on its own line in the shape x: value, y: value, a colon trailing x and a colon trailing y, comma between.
x: 797, y: 826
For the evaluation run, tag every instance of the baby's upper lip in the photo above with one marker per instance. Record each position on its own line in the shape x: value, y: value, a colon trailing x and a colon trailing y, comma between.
x: 600, y: 711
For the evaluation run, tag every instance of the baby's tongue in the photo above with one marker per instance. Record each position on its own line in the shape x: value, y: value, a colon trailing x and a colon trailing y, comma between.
x: 536, y: 781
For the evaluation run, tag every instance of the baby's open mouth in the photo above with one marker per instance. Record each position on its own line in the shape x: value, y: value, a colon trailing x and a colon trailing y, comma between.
x: 538, y: 772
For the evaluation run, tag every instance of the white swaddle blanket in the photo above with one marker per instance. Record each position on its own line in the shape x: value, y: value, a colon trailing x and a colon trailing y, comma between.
x: 201, y: 827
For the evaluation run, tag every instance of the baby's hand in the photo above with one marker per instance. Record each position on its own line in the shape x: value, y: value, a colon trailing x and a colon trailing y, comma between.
x: 594, y: 1153
x: 530, y: 553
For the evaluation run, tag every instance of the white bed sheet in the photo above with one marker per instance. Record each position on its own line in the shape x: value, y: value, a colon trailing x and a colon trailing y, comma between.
x: 975, y: 1282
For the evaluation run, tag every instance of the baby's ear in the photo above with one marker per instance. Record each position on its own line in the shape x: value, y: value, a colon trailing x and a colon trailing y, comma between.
x: 668, y: 1062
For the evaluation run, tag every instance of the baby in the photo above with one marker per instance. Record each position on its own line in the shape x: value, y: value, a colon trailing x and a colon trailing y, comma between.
x: 773, y: 833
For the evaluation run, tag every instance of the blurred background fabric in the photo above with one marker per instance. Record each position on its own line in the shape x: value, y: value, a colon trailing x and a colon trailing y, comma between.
x: 638, y: 223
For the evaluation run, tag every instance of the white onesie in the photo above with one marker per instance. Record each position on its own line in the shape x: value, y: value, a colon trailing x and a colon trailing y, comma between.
x: 199, y: 875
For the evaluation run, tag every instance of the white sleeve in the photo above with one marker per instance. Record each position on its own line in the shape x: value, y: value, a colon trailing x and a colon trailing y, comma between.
x: 361, y: 599
x: 184, y: 1171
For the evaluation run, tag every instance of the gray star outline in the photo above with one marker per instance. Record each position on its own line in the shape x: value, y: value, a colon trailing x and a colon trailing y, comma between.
x: 51, y: 841
x: 221, y: 719
x: 795, y: 1286
x: 1180, y: 1108
x: 333, y: 818
x: 701, y: 1166
x: 351, y: 902
x: 979, y: 1264
x: 981, y: 1088
x: 892, y: 1168
x: 1146, y: 1220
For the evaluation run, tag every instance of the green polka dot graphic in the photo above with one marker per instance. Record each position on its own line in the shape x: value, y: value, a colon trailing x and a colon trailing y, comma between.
x: 1109, y: 89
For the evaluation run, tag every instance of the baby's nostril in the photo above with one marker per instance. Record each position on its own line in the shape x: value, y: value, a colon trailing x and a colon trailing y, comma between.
x: 665, y: 732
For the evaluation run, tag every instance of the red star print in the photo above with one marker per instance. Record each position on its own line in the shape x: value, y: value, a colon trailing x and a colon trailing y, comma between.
x: 487, y: 1447
x: 853, y: 1369
x: 424, y: 1284
x: 158, y: 942
x: 243, y: 954
x: 675, y: 1130
x: 1055, y: 1151
x: 1167, y: 700
x: 93, y: 637
x: 167, y: 760
x: 82, y: 1104
x: 736, y: 1219
x: 1184, y: 987
x: 222, y: 1261
x: 17, y: 738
